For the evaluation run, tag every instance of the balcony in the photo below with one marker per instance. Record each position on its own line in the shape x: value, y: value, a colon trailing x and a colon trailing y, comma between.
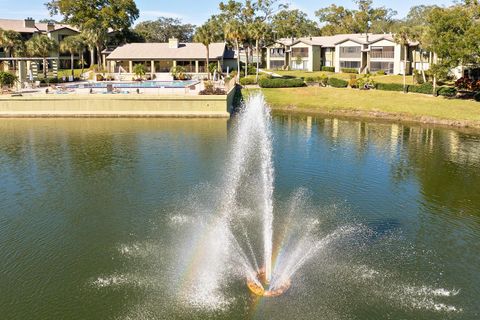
x: 302, y: 53
x: 277, y: 53
x: 351, y: 55
x: 382, y: 55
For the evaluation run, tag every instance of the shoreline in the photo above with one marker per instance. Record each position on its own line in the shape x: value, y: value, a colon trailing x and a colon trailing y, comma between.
x: 464, y: 125
x: 375, y: 105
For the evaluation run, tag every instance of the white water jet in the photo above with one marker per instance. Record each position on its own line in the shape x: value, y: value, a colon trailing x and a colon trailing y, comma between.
x: 254, y: 135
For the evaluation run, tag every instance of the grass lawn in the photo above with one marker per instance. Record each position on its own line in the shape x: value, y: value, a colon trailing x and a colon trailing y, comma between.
x: 346, y: 76
x: 412, y: 106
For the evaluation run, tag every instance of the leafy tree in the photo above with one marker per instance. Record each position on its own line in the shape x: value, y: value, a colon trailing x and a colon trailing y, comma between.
x: 365, y: 18
x: 124, y: 36
x: 417, y: 15
x: 96, y: 17
x: 41, y: 46
x: 164, y: 28
x: 416, y: 21
x: 205, y: 34
x: 452, y: 34
x: 73, y: 45
x: 293, y: 24
x: 266, y: 9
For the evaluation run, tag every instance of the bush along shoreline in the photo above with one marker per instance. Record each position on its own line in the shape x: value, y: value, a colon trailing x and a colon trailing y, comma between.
x: 366, y: 82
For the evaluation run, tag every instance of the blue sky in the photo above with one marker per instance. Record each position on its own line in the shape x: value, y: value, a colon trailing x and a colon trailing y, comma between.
x: 195, y: 11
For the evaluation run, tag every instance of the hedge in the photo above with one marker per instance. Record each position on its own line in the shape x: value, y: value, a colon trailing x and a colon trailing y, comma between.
x: 447, y: 91
x: 328, y: 69
x: 281, y: 83
x: 477, y: 96
x: 425, y: 88
x: 337, y: 83
x: 247, y: 81
x: 389, y: 86
x: 349, y: 70
x: 310, y: 80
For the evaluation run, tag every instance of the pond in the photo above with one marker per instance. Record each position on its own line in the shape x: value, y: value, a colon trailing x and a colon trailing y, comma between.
x: 98, y: 219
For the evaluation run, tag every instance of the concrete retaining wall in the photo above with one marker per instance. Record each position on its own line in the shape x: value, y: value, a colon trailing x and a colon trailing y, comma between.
x: 77, y: 105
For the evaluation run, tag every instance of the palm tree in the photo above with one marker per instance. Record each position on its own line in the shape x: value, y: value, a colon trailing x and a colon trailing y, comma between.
x: 95, y: 39
x: 206, y: 35
x: 41, y: 46
x: 90, y: 42
x: 234, y: 32
x: 257, y: 31
x: 73, y: 45
x: 402, y: 37
x: 12, y: 43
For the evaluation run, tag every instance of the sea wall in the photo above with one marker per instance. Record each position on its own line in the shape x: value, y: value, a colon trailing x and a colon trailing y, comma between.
x: 109, y: 105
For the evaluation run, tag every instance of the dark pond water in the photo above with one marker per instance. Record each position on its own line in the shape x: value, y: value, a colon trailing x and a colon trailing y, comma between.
x: 92, y: 216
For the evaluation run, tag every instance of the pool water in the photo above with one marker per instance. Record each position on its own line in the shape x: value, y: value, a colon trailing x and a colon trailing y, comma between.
x: 138, y: 84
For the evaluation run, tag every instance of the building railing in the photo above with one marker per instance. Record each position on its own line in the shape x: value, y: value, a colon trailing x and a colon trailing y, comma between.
x: 300, y: 54
x: 277, y: 55
x: 382, y: 55
x: 357, y: 55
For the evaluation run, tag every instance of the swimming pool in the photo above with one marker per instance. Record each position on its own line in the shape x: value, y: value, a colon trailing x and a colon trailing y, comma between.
x: 137, y: 84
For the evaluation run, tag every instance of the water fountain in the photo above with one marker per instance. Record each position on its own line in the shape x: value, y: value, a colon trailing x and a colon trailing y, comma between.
x: 248, y: 192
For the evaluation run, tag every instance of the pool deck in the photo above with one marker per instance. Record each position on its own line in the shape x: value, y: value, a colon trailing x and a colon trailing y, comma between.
x: 145, y: 104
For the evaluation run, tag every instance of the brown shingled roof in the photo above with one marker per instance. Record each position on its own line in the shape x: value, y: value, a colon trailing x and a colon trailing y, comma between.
x: 159, y: 51
x: 19, y: 26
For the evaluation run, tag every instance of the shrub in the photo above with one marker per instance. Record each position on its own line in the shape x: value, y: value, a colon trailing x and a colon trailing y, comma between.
x: 337, y: 83
x: 465, y: 83
x: 211, y: 90
x: 310, y: 80
x: 233, y: 74
x: 139, y: 70
x: 7, y: 79
x: 349, y: 70
x: 281, y: 83
x: 389, y: 86
x: 265, y: 76
x: 322, y: 80
x: 418, y: 77
x: 251, y: 69
x: 247, y: 81
x: 447, y: 91
x: 353, y: 82
x: 366, y: 82
x: 212, y: 67
x: 426, y: 88
x: 179, y: 73
x: 381, y: 73
x: 477, y: 96
x: 328, y: 69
